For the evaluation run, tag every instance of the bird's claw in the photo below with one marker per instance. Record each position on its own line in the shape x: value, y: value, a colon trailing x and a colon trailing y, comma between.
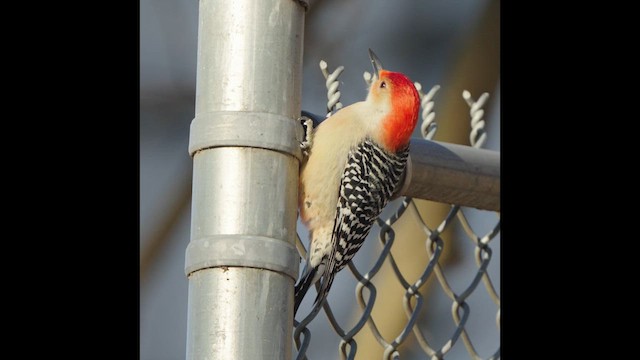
x: 306, y: 142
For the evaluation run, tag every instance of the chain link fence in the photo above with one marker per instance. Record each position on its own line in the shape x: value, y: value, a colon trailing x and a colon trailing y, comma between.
x: 413, y: 301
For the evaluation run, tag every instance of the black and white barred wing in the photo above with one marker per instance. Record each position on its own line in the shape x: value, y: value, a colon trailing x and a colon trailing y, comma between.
x: 368, y: 182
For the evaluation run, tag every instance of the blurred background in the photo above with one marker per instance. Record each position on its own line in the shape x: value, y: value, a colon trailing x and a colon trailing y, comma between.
x: 454, y: 43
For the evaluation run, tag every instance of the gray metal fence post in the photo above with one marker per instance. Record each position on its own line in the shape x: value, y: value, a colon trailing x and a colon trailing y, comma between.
x: 241, y: 261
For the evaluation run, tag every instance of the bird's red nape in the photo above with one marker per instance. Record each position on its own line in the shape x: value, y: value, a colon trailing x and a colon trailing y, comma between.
x: 405, y: 104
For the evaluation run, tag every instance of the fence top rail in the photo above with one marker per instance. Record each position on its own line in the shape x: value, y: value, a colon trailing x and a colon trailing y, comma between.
x: 453, y: 174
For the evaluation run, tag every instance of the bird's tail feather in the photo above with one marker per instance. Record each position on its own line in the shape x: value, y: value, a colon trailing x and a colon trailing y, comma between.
x: 325, y: 286
x: 302, y: 287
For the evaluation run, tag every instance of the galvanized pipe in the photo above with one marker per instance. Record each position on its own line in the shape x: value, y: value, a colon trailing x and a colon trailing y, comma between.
x: 453, y: 174
x: 241, y: 261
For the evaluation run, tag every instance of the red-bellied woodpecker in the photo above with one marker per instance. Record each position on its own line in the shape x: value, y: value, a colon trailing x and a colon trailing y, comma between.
x: 355, y: 163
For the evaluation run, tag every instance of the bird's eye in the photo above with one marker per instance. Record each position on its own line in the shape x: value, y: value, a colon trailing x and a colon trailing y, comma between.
x: 383, y: 85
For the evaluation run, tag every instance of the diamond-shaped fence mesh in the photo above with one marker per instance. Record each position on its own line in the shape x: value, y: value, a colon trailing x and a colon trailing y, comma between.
x: 413, y: 302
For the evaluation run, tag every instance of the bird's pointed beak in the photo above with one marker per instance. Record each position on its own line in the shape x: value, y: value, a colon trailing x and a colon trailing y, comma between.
x: 377, y: 64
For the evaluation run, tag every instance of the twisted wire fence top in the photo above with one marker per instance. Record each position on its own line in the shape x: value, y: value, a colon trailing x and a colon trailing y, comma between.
x: 332, y: 83
x: 413, y: 301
